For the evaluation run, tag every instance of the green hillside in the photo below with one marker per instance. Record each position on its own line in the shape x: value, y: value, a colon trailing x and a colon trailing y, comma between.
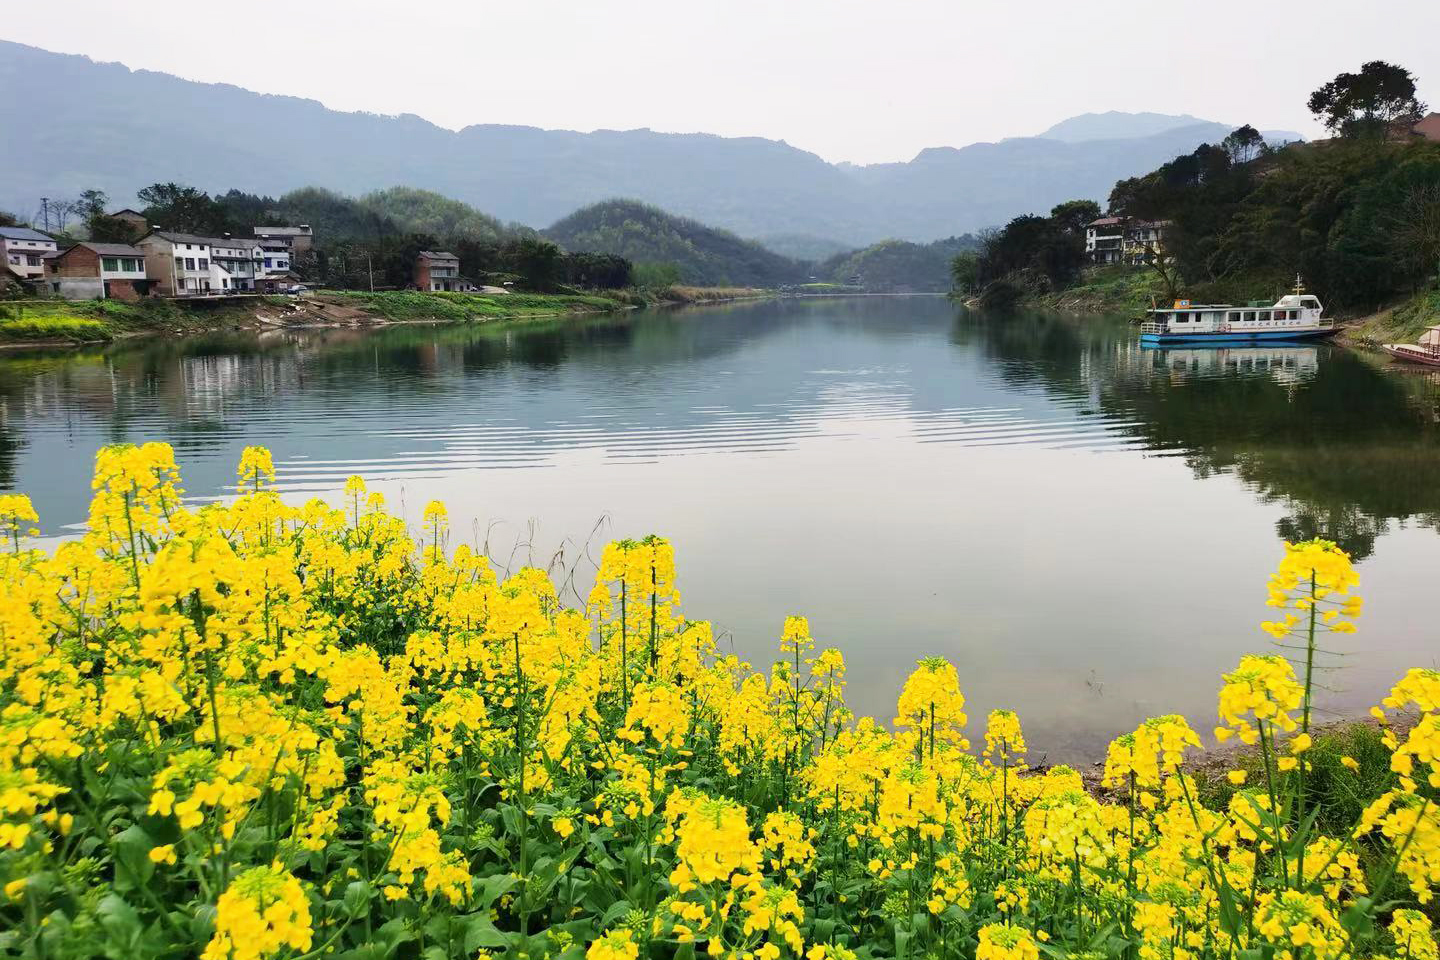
x: 898, y: 265
x: 648, y: 235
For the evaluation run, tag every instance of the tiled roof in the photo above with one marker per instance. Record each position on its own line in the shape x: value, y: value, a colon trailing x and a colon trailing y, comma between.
x: 437, y: 255
x: 24, y: 233
x: 112, y: 249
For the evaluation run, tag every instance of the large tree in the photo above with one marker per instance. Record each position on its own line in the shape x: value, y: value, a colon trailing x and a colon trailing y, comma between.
x: 1243, y: 144
x: 1073, y: 216
x: 174, y: 206
x: 1367, y: 103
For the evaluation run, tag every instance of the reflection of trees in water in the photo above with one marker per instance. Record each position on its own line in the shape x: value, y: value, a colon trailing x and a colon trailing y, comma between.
x: 10, y: 446
x: 1345, y: 445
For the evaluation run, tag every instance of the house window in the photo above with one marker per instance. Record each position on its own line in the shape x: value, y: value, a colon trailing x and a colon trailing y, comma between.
x: 189, y: 263
x: 204, y: 264
x: 133, y: 265
x: 110, y: 264
x: 267, y: 263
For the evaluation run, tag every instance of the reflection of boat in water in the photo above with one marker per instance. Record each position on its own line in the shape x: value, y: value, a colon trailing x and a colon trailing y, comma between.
x: 1294, y: 317
x: 1427, y: 351
x: 1286, y: 364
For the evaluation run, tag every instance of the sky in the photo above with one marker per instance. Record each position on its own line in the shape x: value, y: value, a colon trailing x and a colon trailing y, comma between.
x: 863, y: 82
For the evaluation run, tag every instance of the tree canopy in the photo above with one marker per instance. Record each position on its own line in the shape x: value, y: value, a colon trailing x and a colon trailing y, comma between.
x: 1365, y: 104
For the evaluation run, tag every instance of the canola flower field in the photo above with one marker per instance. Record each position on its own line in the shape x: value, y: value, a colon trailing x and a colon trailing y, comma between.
x: 252, y: 730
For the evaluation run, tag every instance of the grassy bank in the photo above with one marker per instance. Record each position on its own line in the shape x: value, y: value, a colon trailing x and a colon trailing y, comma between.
x: 60, y: 321
x: 399, y: 305
x: 1402, y: 323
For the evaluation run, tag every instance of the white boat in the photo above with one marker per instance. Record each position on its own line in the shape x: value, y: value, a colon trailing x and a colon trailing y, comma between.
x: 1295, y: 316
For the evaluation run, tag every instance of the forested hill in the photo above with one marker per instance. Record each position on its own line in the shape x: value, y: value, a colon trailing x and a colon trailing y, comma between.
x: 1359, y: 219
x: 647, y: 235
x: 86, y: 125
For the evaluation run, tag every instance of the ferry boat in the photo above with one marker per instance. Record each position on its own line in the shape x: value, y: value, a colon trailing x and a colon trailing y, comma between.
x: 1295, y: 316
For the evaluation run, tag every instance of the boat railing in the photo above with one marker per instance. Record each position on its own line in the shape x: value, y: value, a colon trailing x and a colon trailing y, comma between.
x: 1152, y: 327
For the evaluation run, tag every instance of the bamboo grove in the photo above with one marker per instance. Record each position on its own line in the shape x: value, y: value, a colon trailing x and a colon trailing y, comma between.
x: 252, y: 730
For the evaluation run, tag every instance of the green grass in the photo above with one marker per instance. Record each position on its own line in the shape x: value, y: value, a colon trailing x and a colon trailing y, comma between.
x: 1403, y: 323
x: 1339, y: 793
x: 76, y: 329
x: 415, y: 305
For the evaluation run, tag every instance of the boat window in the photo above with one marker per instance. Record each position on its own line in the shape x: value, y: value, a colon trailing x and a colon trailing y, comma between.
x: 1235, y: 315
x: 1249, y: 315
x: 1263, y: 315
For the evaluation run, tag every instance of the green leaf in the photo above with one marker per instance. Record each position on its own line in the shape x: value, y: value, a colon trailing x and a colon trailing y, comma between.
x: 132, y: 853
x: 357, y: 898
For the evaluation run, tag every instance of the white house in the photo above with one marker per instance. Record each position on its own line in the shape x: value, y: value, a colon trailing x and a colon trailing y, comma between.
x: 235, y: 263
x: 25, y: 250
x: 1124, y: 240
x: 179, y: 264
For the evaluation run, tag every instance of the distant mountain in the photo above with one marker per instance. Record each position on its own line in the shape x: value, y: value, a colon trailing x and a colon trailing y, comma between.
x: 800, y: 246
x: 646, y: 234
x: 1117, y: 125
x: 72, y: 124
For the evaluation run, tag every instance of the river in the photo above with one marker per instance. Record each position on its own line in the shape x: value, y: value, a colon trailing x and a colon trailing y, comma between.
x: 1084, y: 526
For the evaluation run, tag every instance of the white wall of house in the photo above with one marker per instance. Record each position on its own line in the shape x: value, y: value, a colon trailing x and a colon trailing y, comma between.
x: 26, y: 257
x: 125, y: 268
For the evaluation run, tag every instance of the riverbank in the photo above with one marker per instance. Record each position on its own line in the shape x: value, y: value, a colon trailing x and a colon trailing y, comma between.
x: 60, y: 322
x: 1403, y: 322
x: 1130, y: 290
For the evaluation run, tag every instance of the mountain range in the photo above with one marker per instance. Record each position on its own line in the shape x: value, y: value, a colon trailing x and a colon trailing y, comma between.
x: 71, y: 123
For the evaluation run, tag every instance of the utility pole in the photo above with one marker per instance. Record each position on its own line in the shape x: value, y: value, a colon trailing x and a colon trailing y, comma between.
x: 45, y: 212
x: 370, y: 268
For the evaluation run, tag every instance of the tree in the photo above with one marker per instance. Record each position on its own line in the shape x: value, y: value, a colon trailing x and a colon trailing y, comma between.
x: 8, y: 219
x: 180, y: 208
x: 1367, y: 103
x: 1243, y: 144
x: 1073, y: 216
x: 1415, y: 230
x: 965, y: 271
x: 538, y: 263
x: 92, y: 203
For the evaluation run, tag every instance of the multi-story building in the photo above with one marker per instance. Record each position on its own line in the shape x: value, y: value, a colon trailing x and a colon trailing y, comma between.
x: 439, y: 270
x: 237, y: 262
x: 92, y: 271
x: 178, y: 263
x: 283, y: 244
x: 1124, y: 240
x: 25, y: 250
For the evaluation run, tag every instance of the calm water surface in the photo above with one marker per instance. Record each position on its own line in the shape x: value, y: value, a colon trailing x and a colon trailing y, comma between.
x: 1083, y: 526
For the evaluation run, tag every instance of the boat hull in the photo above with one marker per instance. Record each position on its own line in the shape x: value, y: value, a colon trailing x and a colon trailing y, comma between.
x: 1234, y: 336
x: 1411, y: 355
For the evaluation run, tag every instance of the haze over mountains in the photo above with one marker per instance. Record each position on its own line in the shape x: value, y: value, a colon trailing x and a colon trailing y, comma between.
x: 70, y: 123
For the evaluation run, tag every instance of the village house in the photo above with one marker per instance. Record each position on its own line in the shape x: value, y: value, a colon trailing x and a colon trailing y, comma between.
x: 236, y: 264
x: 133, y: 219
x: 281, y: 245
x: 94, y: 271
x: 437, y: 270
x: 25, y: 251
x: 1429, y: 128
x: 1124, y: 240
x: 178, y: 263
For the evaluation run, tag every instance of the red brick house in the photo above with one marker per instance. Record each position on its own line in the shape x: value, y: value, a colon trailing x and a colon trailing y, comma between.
x: 439, y: 270
x: 93, y: 271
x: 1429, y: 128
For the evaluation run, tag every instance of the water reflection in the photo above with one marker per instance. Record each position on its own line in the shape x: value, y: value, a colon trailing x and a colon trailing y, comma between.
x: 1085, y: 526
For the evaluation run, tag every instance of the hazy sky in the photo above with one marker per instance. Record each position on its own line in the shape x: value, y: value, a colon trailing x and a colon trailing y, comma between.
x: 860, y: 81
